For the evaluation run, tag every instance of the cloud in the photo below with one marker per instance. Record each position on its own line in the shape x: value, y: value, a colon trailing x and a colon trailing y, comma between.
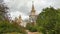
x: 1, y: 1
x: 17, y: 14
x: 24, y: 6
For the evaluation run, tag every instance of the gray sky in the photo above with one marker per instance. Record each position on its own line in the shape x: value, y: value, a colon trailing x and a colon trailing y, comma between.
x: 23, y: 7
x: 1, y: 1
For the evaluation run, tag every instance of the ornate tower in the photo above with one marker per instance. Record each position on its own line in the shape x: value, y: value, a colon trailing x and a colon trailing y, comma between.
x: 32, y: 16
x: 18, y: 20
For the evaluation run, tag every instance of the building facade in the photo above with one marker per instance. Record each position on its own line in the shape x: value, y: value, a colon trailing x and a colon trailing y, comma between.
x: 32, y: 18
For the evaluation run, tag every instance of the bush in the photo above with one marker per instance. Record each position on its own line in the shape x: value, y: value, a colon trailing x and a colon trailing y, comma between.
x: 31, y: 28
x: 49, y: 21
x: 6, y: 27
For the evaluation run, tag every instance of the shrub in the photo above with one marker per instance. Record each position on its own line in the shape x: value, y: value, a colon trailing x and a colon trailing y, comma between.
x: 31, y: 28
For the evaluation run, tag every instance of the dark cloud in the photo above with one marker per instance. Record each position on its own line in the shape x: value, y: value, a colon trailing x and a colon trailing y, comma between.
x: 1, y: 1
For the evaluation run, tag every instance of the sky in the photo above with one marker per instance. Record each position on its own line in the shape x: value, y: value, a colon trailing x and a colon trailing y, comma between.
x: 1, y: 1
x: 23, y: 7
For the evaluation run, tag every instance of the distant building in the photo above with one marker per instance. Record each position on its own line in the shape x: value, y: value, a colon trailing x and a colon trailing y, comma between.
x: 32, y: 18
x: 18, y: 20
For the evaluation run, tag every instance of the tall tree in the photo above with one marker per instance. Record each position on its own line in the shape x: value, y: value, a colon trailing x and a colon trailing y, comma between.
x: 3, y: 11
x: 48, y: 19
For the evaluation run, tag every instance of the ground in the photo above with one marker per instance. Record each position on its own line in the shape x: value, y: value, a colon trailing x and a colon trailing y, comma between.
x: 28, y: 32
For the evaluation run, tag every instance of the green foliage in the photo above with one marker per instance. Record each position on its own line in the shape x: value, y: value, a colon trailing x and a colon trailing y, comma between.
x: 31, y: 27
x: 48, y: 20
x: 6, y: 27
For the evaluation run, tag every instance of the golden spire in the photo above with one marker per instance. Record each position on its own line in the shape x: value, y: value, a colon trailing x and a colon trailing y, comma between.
x: 33, y: 9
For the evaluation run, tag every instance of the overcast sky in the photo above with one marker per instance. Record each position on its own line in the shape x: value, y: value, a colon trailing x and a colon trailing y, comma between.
x: 1, y: 1
x: 23, y: 7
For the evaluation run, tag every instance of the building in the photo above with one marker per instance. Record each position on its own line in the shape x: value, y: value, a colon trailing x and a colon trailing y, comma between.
x: 18, y: 20
x: 32, y: 16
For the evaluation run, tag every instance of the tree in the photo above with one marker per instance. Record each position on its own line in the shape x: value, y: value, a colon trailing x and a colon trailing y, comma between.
x: 47, y: 20
x: 3, y: 11
x: 31, y: 27
x: 7, y: 27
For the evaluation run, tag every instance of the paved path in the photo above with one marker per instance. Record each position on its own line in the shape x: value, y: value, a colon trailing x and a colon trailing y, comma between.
x: 32, y: 32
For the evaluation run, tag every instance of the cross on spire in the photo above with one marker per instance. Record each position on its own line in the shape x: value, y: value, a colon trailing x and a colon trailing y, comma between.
x: 33, y: 9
